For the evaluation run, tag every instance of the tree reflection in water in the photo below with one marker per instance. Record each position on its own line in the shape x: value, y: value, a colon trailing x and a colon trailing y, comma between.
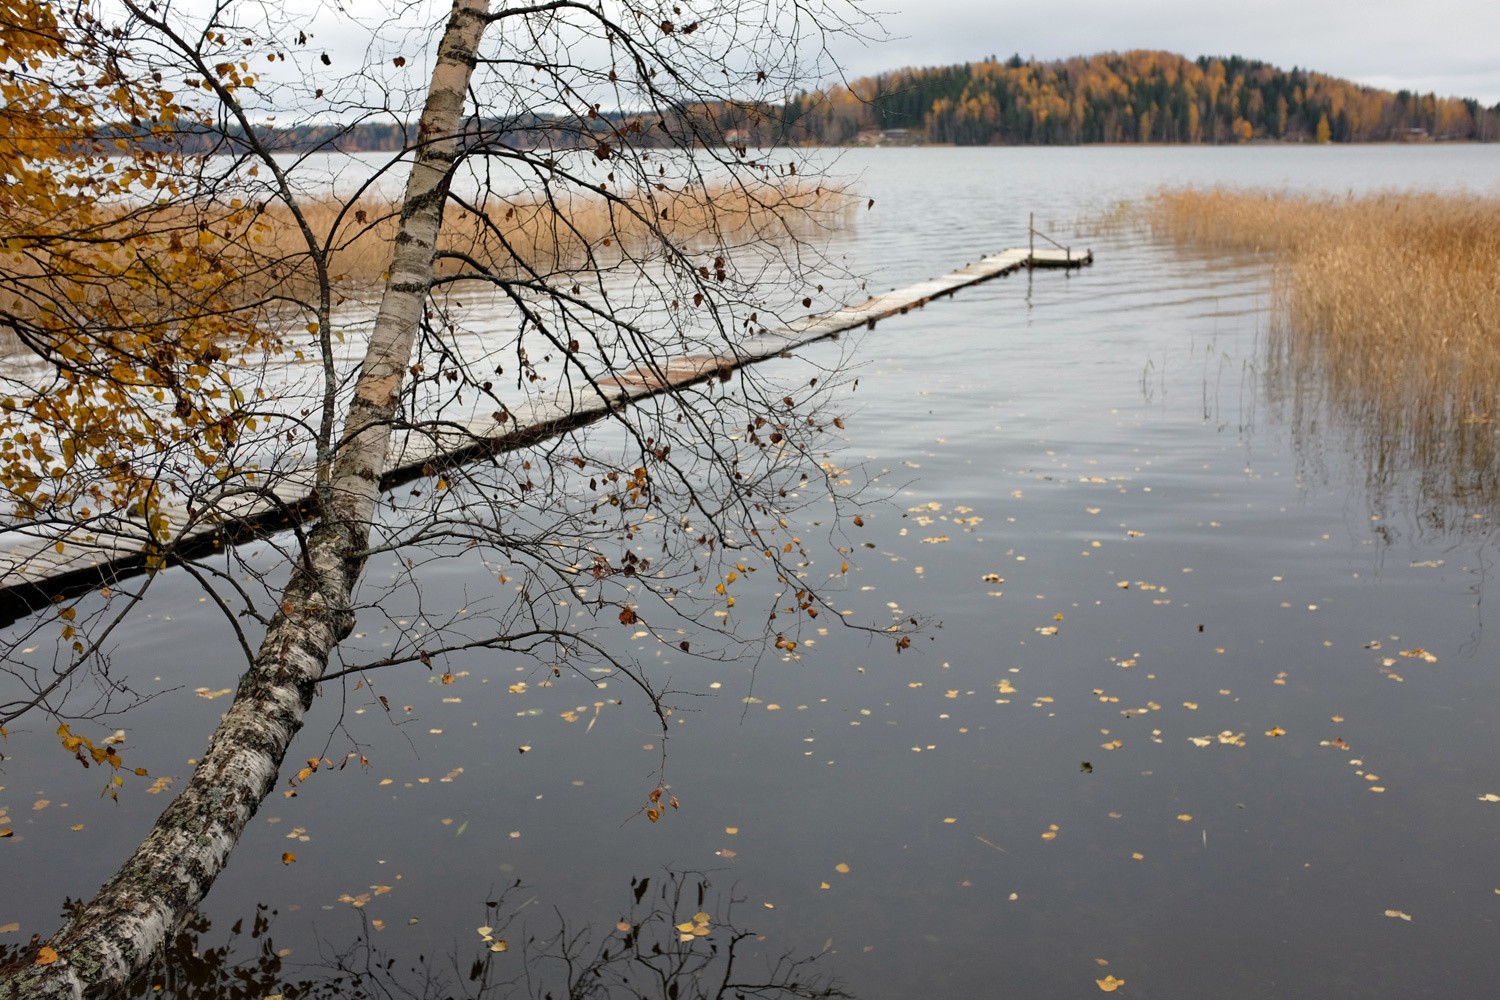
x: 669, y: 946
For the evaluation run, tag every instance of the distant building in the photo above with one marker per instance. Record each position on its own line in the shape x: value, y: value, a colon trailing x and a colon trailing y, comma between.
x: 888, y: 137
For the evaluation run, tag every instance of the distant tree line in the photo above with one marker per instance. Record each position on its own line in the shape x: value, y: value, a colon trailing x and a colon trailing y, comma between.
x: 1118, y: 97
x: 1113, y: 97
x: 725, y: 123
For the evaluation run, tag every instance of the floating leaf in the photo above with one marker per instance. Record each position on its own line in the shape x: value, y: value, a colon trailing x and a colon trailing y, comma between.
x: 1398, y: 915
x: 1109, y: 983
x: 288, y: 857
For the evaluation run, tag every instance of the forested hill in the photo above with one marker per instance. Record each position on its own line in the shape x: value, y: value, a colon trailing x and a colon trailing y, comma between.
x: 1140, y: 96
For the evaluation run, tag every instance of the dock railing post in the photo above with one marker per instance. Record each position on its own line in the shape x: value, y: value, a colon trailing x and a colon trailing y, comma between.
x: 1030, y: 238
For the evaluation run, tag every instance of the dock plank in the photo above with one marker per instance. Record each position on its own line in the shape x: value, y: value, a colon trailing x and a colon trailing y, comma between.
x: 37, y: 560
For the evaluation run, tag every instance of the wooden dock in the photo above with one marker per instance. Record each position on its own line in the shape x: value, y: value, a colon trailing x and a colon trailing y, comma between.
x: 40, y: 562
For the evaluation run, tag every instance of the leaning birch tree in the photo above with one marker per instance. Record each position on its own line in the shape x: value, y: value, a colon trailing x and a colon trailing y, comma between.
x: 582, y: 168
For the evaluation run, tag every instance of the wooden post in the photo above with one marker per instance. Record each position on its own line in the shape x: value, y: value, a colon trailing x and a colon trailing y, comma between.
x: 1030, y: 238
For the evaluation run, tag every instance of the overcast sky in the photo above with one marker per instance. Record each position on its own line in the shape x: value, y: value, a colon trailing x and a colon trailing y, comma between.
x: 1451, y: 47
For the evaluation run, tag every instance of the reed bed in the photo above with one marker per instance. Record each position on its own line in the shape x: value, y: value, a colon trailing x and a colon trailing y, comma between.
x: 1386, y: 311
x: 581, y: 232
x: 256, y: 258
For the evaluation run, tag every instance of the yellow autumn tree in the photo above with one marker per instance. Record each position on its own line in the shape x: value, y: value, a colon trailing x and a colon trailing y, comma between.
x: 129, y: 273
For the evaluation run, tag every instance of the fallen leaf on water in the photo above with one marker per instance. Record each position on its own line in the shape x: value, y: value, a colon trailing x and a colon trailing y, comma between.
x: 9, y: 928
x: 1109, y: 983
x: 841, y: 868
x: 1419, y: 654
x: 1397, y: 914
x: 288, y: 857
x: 1489, y: 797
x: 1185, y: 817
x: 206, y: 693
x: 1275, y: 731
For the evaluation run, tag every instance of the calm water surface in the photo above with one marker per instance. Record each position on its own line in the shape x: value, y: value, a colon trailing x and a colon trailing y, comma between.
x: 1088, y: 492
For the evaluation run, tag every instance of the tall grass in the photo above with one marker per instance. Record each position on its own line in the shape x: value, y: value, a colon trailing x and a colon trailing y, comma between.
x: 1386, y: 311
x: 530, y: 236
x: 264, y: 260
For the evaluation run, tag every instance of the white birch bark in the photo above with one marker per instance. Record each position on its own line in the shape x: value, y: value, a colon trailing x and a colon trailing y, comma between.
x: 108, y: 940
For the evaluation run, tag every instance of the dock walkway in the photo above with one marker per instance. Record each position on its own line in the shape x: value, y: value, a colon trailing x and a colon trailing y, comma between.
x: 38, y: 562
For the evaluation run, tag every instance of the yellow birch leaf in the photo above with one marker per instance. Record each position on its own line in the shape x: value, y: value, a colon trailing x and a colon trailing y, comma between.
x: 45, y: 955
x: 1109, y: 983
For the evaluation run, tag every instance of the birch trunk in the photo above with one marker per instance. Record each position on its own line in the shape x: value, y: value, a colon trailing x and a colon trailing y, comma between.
x: 105, y: 942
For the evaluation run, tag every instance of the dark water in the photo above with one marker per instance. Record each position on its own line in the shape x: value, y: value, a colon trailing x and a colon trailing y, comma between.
x: 1015, y: 806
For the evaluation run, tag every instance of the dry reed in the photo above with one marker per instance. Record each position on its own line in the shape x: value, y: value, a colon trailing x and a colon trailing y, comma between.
x: 1387, y: 310
x: 511, y: 236
x: 261, y: 258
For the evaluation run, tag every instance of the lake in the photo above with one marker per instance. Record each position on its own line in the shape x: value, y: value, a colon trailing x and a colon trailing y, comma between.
x: 1199, y: 703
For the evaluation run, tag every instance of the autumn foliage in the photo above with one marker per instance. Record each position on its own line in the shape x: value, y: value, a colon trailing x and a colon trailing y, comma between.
x: 1127, y: 97
x: 132, y: 308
